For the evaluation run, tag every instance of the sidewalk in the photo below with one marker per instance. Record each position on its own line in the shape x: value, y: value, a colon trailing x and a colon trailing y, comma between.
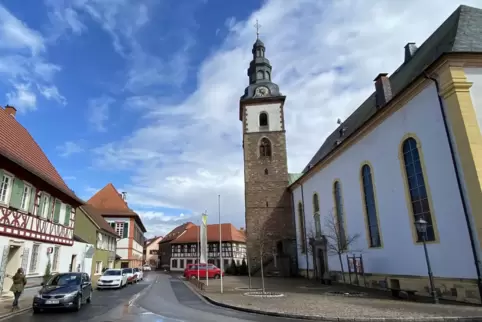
x: 303, y: 299
x: 25, y: 302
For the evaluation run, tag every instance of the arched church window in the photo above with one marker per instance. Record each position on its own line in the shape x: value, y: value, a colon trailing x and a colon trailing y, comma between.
x: 316, y: 214
x: 370, y: 206
x: 301, y: 217
x: 339, y: 215
x: 268, y: 76
x: 263, y: 119
x: 265, y: 148
x: 260, y: 74
x: 416, y: 182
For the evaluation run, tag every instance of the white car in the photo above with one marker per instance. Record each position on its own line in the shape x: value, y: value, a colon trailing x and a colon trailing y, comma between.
x: 129, y: 273
x: 112, y: 278
x: 146, y: 267
x: 139, y: 274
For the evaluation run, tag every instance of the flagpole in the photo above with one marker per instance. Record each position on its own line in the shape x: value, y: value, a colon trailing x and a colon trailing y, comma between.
x: 207, y: 250
x: 198, y: 249
x: 220, y: 243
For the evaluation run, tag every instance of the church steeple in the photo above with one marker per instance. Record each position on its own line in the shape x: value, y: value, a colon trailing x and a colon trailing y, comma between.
x: 259, y: 73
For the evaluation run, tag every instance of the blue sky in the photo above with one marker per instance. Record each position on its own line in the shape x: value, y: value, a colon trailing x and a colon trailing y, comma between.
x: 144, y: 93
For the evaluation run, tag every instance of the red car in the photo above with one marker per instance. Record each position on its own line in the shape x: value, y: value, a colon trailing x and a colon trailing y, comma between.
x: 191, y: 271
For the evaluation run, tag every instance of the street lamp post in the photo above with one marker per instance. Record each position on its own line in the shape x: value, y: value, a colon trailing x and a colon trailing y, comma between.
x: 421, y: 226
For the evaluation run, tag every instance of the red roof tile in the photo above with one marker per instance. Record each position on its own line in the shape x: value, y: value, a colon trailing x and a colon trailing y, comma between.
x: 173, y: 234
x: 19, y: 146
x: 228, y: 233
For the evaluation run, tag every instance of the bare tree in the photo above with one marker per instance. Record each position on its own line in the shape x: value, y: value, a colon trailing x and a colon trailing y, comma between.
x: 265, y: 241
x: 338, y: 240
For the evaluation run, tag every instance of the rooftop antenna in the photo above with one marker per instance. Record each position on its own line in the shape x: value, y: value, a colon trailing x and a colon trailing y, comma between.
x: 257, y: 26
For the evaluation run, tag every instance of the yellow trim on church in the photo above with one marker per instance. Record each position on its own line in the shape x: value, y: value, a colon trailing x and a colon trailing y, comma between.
x: 364, y: 206
x: 408, y: 199
x: 466, y: 134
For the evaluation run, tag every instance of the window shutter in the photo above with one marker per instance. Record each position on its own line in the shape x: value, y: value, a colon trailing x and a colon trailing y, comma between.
x: 33, y: 197
x: 68, y: 213
x: 57, y: 210
x: 17, y: 191
x: 126, y: 230
x: 49, y: 202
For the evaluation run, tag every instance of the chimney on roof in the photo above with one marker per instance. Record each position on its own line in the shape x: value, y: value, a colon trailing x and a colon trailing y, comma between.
x: 11, y: 110
x: 124, y: 195
x: 410, y: 50
x: 383, y: 90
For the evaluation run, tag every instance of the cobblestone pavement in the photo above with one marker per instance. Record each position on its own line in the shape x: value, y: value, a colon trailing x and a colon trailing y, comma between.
x: 304, y: 299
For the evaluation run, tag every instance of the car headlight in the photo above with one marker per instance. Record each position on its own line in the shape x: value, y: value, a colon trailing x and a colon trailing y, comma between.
x: 73, y: 294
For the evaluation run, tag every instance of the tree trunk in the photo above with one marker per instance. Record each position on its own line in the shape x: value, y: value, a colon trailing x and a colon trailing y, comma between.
x: 342, y: 269
x: 249, y: 270
x: 262, y: 270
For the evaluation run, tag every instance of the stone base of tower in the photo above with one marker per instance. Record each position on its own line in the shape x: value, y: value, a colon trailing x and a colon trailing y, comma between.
x: 270, y: 237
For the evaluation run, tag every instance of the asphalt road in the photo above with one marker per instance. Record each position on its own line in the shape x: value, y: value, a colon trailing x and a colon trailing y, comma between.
x: 159, y: 297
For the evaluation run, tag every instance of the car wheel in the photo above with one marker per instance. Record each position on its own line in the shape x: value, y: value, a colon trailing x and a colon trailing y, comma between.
x: 89, y: 299
x: 216, y: 276
x: 193, y: 277
x: 36, y: 310
x: 78, y: 303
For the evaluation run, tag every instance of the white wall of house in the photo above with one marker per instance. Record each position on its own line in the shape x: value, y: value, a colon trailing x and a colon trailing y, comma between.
x: 474, y: 75
x: 451, y: 256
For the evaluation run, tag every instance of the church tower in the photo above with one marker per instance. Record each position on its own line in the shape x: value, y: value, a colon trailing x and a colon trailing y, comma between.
x: 267, y: 200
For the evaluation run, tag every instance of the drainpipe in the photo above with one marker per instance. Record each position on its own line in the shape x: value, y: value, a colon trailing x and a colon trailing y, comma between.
x: 470, y: 225
x: 304, y: 227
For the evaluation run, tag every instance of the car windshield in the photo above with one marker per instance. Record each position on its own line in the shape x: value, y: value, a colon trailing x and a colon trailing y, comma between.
x: 64, y: 279
x: 112, y: 273
x: 127, y: 271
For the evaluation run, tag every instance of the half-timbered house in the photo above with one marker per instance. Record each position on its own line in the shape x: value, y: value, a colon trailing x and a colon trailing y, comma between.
x: 37, y: 208
x: 184, y: 249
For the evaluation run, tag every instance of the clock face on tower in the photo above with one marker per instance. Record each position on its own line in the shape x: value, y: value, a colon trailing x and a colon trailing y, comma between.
x: 261, y: 91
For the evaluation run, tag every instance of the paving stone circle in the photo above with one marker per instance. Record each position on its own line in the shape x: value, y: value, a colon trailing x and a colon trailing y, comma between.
x: 253, y: 289
x: 349, y: 294
x: 265, y: 294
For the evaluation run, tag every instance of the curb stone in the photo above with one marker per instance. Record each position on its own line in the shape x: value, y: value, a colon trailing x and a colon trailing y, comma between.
x: 10, y: 314
x: 343, y: 319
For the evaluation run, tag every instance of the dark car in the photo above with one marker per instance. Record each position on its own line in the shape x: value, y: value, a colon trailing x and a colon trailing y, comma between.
x: 64, y: 291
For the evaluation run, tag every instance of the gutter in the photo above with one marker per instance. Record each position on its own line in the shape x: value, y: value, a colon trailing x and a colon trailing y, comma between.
x: 304, y: 227
x: 465, y: 207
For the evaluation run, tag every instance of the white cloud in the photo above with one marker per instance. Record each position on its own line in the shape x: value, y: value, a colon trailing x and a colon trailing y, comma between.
x: 69, y: 148
x: 98, y: 112
x: 22, y: 98
x: 22, y: 63
x: 160, y: 224
x: 325, y: 55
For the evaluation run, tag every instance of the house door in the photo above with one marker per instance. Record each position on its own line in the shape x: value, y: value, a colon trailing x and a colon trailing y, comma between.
x: 73, y: 263
x: 11, y: 262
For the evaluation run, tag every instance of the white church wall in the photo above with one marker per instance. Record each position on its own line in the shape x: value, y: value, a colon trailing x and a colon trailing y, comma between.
x: 399, y: 255
x: 274, y: 117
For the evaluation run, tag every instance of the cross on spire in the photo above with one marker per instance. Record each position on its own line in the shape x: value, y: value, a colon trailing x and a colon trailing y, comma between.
x: 257, y: 26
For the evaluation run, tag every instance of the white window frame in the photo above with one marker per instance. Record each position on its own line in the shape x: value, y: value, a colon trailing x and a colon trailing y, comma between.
x: 119, y: 229
x: 27, y: 199
x: 98, y: 271
x: 8, y: 191
x: 63, y: 209
x: 46, y: 204
x: 32, y: 269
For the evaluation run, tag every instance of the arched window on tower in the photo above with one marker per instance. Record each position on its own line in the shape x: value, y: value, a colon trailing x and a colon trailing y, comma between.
x: 260, y: 74
x: 265, y: 148
x: 263, y: 121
